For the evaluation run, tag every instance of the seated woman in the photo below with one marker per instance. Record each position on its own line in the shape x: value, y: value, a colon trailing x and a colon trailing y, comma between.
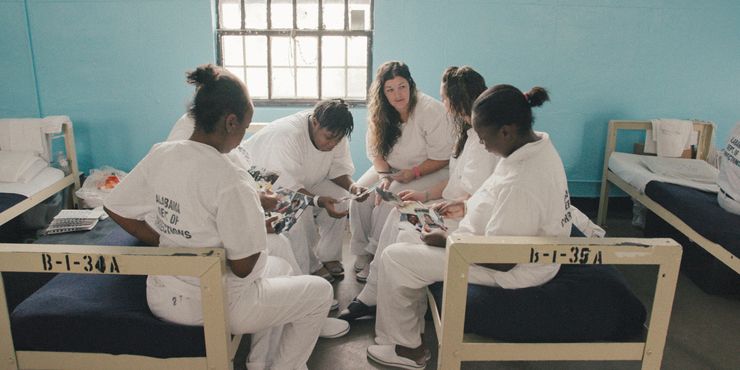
x: 200, y: 198
x: 409, y: 141
x: 527, y: 195
x: 470, y: 166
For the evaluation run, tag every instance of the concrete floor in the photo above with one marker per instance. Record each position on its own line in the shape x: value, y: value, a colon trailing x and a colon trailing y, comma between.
x: 704, y: 331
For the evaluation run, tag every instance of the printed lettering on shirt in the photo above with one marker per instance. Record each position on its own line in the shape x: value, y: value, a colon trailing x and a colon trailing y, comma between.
x: 568, y: 216
x: 168, y: 215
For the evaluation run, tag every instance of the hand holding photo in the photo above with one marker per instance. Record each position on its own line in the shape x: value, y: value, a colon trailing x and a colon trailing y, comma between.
x: 264, y: 178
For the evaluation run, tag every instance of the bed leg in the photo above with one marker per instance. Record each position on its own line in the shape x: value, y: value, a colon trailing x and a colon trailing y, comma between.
x: 603, y: 203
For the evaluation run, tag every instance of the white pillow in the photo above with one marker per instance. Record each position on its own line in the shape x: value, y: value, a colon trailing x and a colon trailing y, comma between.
x: 19, y: 166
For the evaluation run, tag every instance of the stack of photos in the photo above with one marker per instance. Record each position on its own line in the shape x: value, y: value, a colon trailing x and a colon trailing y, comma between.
x: 415, y: 213
x: 290, y: 206
x: 264, y: 178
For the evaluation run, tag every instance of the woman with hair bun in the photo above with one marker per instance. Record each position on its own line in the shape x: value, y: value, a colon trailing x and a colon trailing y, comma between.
x: 409, y: 141
x: 201, y: 198
x: 527, y: 195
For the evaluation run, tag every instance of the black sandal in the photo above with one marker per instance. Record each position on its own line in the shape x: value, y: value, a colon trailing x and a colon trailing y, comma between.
x: 355, y: 310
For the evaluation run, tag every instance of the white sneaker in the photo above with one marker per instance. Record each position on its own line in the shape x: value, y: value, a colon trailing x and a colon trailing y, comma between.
x: 334, y: 328
x: 361, y: 261
x: 385, y: 354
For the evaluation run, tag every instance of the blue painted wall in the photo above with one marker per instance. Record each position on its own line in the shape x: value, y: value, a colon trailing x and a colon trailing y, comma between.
x: 117, y: 66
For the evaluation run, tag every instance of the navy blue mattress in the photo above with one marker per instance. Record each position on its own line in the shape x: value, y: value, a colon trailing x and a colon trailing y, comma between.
x: 8, y: 200
x: 11, y: 231
x: 701, y: 212
x: 99, y: 313
x: 583, y: 303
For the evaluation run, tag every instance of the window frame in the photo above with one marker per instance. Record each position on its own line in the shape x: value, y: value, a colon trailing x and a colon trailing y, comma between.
x: 319, y: 33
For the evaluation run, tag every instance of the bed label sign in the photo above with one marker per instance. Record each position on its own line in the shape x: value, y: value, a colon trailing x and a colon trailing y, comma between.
x: 577, y: 255
x: 80, y: 263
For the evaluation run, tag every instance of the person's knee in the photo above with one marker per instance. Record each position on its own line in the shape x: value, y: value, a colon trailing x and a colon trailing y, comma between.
x: 319, y: 287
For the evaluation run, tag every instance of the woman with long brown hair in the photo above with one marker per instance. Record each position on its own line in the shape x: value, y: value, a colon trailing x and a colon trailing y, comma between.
x: 409, y: 141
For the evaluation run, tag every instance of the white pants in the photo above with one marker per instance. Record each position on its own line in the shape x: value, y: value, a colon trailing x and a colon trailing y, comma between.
x: 407, y: 270
x: 279, y: 246
x: 366, y: 220
x: 394, y: 231
x: 317, y: 237
x: 729, y: 205
x: 285, y: 314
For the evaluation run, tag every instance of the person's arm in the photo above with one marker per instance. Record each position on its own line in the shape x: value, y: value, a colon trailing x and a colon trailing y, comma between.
x: 243, y: 267
x: 435, y: 192
x: 140, y: 229
x: 346, y: 182
x: 325, y: 202
x: 427, y: 167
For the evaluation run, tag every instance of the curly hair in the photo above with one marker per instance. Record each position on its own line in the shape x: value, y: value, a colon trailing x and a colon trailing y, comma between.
x: 384, y: 120
x: 461, y: 86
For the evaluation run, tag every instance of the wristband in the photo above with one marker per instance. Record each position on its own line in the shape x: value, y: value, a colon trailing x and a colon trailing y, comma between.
x: 417, y: 172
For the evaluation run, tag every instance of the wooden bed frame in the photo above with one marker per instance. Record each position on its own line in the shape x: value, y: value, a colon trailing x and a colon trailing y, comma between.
x: 72, y: 179
x: 455, y: 346
x: 207, y: 264
x: 704, y: 130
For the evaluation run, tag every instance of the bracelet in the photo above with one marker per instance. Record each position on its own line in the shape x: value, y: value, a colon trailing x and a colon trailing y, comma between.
x: 417, y: 171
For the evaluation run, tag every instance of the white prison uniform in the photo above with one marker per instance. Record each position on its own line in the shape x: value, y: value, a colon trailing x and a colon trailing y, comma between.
x: 729, y: 174
x: 527, y: 195
x: 428, y: 134
x: 277, y: 245
x: 202, y: 199
x: 284, y: 146
x: 467, y: 173
x: 183, y: 128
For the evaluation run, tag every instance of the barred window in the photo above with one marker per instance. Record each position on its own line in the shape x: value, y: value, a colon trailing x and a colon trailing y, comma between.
x: 297, y: 51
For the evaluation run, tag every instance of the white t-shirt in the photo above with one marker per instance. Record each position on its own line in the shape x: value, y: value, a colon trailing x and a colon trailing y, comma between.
x: 428, y: 134
x: 200, y: 199
x: 469, y: 170
x: 527, y: 195
x: 729, y: 165
x: 284, y: 146
x: 183, y: 128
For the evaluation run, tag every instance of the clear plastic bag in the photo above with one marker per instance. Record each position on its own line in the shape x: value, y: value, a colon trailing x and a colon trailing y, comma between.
x: 98, y: 185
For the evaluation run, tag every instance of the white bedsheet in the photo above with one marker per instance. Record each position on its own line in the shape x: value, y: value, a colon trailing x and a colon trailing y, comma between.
x: 44, y: 179
x: 638, y: 170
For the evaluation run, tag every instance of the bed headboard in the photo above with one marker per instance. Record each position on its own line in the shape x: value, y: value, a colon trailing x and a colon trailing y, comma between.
x: 704, y: 130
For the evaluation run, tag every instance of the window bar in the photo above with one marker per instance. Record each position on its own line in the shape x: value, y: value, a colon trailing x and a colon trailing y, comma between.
x: 346, y: 48
x: 369, y: 62
x: 269, y: 50
x: 320, y: 38
x: 346, y: 15
x: 346, y: 61
x: 295, y: 47
x: 244, y: 14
